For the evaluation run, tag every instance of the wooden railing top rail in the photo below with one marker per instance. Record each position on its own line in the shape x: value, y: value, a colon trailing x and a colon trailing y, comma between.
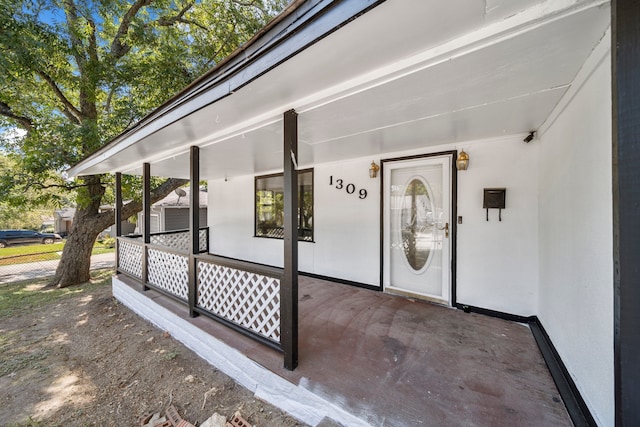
x: 250, y: 267
x: 131, y: 239
x: 167, y: 249
x: 162, y: 233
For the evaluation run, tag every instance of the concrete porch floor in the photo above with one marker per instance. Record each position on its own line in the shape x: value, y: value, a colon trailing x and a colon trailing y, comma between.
x: 391, y: 361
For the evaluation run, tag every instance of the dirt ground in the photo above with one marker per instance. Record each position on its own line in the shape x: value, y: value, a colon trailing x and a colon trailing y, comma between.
x: 86, y: 360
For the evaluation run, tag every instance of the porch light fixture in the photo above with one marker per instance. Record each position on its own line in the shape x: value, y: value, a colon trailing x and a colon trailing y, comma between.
x: 463, y: 161
x: 373, y: 170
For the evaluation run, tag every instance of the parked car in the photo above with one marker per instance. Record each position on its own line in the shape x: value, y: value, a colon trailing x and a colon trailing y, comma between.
x: 21, y: 237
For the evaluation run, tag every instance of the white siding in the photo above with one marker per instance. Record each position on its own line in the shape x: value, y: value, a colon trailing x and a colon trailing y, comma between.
x: 346, y: 227
x: 155, y: 221
x: 495, y: 270
x: 576, y: 247
x: 550, y: 256
x: 498, y: 260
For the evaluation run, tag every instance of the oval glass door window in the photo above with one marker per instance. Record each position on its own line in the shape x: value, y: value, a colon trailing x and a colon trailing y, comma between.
x: 417, y: 224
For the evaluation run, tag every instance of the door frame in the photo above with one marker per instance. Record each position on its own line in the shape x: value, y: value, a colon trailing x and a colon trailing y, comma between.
x: 453, y: 207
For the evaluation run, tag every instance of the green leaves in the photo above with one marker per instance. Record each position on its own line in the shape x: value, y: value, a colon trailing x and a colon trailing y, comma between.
x: 76, y: 73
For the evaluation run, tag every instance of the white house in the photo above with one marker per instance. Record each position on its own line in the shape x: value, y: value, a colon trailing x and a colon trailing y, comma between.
x: 524, y: 231
x: 63, y: 220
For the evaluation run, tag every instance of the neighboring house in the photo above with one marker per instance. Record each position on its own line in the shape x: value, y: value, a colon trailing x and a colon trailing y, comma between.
x: 525, y: 231
x: 172, y: 212
x: 63, y: 221
x: 47, y: 224
x: 127, y: 227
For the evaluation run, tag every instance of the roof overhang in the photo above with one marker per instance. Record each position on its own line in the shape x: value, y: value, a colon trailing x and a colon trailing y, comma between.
x: 368, y: 78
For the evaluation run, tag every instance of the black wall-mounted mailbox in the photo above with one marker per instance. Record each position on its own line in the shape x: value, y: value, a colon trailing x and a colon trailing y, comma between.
x: 494, y: 198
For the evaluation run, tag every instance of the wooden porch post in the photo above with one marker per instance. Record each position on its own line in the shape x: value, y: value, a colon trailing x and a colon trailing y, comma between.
x: 625, y: 15
x: 194, y: 226
x: 118, y: 206
x: 289, y: 285
x: 146, y: 217
x: 118, y: 214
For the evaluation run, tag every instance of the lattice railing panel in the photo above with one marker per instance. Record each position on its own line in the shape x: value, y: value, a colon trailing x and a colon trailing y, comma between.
x: 169, y: 271
x: 247, y: 299
x: 203, y: 241
x: 130, y: 258
x: 180, y: 241
x: 177, y: 241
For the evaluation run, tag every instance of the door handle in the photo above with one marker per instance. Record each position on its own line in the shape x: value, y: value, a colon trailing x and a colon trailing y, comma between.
x: 446, y: 230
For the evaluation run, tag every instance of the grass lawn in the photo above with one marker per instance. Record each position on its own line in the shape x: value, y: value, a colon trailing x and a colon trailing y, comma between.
x: 33, y: 294
x: 10, y: 251
x: 99, y: 249
x: 33, y: 253
x: 76, y: 357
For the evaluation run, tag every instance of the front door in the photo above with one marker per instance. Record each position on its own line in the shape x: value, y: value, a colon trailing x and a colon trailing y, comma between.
x: 417, y: 228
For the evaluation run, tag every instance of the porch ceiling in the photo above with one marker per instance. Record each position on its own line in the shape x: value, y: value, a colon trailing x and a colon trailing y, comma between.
x: 407, y: 74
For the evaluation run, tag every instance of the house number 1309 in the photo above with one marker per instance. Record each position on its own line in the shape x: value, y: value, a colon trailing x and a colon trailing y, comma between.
x: 349, y: 188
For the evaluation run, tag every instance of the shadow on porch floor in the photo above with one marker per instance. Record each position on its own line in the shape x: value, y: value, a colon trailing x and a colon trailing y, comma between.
x: 391, y: 361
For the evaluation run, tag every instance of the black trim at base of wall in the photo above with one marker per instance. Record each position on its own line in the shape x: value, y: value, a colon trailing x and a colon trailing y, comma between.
x: 576, y: 407
x: 493, y: 313
x: 342, y: 281
x: 313, y: 275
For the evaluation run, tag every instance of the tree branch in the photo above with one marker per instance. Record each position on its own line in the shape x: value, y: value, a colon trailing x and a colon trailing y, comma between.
x: 6, y: 111
x: 107, y: 106
x: 47, y: 186
x: 224, y: 43
x: 93, y: 44
x: 71, y: 12
x: 167, y: 21
x: 251, y: 4
x: 135, y: 206
x: 24, y: 182
x: 118, y: 48
x: 69, y: 110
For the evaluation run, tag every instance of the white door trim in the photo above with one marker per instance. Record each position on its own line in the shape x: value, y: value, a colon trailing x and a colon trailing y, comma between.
x: 447, y: 160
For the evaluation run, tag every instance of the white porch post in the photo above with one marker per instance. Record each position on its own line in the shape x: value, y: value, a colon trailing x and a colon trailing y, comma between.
x: 289, y: 285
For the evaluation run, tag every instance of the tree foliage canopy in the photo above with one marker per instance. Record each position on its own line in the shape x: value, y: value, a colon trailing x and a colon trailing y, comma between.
x: 76, y: 73
x: 16, y: 211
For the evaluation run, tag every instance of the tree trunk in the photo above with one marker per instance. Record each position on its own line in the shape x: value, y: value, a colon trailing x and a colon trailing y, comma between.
x: 88, y: 222
x: 75, y: 262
